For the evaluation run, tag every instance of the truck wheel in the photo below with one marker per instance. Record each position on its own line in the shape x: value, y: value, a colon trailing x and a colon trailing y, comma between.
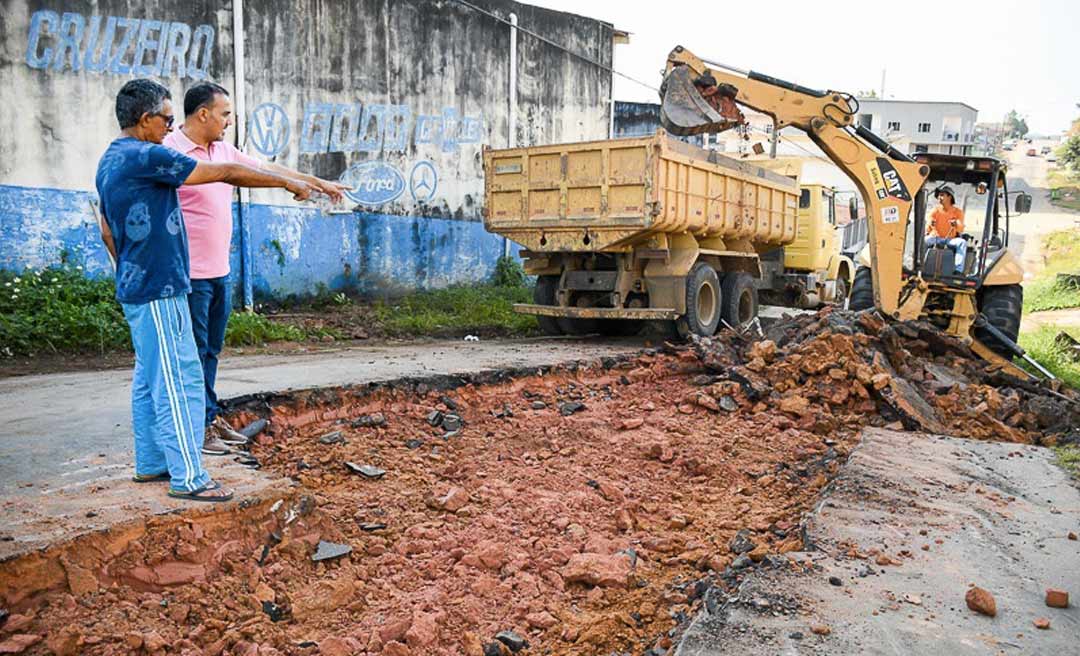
x: 544, y: 294
x: 740, y: 299
x: 702, y: 302
x: 862, y: 291
x: 841, y: 293
x: 1002, y: 305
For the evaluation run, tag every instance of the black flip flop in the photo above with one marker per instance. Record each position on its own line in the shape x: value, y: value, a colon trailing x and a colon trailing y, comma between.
x: 197, y: 494
x: 151, y: 478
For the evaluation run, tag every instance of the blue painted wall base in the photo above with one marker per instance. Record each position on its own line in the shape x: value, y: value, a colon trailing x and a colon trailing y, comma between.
x: 297, y: 252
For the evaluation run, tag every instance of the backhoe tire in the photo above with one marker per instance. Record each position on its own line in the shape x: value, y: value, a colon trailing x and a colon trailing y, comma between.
x: 702, y: 302
x: 740, y: 304
x: 861, y: 296
x: 1002, y: 306
x: 544, y: 294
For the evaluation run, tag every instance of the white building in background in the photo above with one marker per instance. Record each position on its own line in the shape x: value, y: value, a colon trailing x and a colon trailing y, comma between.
x: 928, y: 126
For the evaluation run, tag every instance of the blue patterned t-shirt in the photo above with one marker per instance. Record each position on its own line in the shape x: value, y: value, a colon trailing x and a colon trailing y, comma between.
x: 137, y: 181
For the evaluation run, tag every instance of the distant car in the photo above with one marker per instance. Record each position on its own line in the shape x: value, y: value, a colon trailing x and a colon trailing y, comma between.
x: 1031, y: 152
x: 1007, y: 147
x: 1052, y: 158
x: 1045, y: 150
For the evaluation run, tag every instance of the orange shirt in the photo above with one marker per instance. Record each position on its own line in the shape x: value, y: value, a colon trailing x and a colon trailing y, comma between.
x: 941, y: 222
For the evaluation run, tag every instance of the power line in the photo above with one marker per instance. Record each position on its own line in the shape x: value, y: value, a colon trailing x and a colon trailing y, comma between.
x: 558, y: 46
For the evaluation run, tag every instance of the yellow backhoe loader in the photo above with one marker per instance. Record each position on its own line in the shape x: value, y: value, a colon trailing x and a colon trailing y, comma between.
x: 981, y: 303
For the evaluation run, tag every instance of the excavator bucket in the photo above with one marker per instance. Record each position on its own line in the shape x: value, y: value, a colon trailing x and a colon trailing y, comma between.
x: 683, y: 110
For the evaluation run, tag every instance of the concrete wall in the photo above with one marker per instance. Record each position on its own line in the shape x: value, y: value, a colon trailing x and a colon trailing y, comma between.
x: 397, y: 99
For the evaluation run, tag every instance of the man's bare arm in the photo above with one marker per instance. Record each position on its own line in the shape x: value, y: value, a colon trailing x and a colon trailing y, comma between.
x: 332, y: 189
x: 240, y: 175
x: 107, y: 238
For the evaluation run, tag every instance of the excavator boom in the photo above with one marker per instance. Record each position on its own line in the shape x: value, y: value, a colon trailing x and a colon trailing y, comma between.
x: 887, y: 179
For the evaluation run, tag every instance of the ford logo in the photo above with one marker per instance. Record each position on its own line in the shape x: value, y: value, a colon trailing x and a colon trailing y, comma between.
x: 373, y: 183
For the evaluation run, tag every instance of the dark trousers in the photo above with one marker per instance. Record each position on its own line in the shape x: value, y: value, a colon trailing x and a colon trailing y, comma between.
x: 210, y: 306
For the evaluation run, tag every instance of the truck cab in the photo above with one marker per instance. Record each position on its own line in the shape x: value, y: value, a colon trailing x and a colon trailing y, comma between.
x: 810, y: 270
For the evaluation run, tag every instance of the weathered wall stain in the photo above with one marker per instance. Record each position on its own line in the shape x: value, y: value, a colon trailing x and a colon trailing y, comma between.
x: 397, y: 99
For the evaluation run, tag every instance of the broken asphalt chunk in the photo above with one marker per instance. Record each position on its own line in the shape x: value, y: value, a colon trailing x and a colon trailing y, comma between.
x: 275, y: 612
x: 367, y: 471
x: 414, y: 444
x: 375, y: 420
x: 727, y: 403
x: 512, y: 640
x: 570, y: 407
x: 452, y: 423
x: 254, y: 428
x: 742, y: 542
x: 334, y: 437
x: 434, y: 418
x: 372, y: 526
x: 329, y: 551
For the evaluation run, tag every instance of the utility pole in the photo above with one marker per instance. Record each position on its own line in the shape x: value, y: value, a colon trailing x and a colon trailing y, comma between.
x: 883, y: 84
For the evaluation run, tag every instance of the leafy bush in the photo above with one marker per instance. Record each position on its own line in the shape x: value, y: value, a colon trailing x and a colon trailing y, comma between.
x: 59, y: 309
x: 508, y: 273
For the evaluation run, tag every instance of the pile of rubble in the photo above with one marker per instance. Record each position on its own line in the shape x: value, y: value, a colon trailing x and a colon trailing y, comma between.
x: 843, y: 368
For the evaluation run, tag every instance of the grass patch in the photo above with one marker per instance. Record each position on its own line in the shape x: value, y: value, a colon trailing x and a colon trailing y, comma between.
x: 1064, y: 188
x: 1068, y: 458
x: 1041, y: 346
x: 250, y: 329
x: 1062, y: 250
x: 479, y: 309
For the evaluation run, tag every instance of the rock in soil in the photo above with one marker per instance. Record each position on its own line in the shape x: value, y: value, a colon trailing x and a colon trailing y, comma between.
x: 981, y: 601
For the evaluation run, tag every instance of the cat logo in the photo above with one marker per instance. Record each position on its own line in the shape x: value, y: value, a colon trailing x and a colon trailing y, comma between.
x: 886, y: 181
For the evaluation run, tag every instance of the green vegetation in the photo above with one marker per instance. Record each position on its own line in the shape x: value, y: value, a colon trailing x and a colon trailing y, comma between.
x: 1065, y: 185
x: 480, y: 309
x: 1041, y: 345
x: 1015, y: 125
x: 250, y: 329
x: 1068, y: 457
x: 1044, y: 292
x: 59, y: 310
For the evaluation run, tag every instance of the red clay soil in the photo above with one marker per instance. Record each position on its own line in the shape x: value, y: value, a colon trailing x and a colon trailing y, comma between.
x: 586, y: 510
x: 577, y: 532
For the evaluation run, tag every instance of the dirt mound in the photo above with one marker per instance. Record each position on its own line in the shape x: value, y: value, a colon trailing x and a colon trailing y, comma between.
x: 843, y: 368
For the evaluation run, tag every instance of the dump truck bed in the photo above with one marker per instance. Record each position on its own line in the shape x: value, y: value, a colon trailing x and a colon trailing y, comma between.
x: 608, y: 196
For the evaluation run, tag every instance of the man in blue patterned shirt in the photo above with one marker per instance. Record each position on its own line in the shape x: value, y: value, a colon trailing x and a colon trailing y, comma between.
x: 143, y: 228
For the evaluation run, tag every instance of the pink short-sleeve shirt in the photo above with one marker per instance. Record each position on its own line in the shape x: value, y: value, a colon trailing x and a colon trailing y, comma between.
x: 208, y: 208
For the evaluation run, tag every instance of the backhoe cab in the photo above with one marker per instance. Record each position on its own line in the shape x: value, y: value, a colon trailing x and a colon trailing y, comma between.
x: 982, y: 306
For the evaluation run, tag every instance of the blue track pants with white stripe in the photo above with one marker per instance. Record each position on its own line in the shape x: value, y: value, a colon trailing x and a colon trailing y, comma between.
x: 167, y: 394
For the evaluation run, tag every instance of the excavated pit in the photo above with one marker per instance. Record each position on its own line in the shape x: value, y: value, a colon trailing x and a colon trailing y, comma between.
x: 588, y: 509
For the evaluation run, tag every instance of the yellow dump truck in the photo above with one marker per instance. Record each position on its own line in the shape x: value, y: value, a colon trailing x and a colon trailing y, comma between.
x: 621, y: 231
x: 810, y: 270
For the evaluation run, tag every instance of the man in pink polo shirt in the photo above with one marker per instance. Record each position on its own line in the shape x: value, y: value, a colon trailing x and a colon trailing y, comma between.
x: 208, y: 216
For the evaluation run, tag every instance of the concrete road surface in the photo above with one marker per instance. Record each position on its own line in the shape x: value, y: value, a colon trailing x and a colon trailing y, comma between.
x: 990, y: 514
x: 1027, y: 230
x: 66, y: 445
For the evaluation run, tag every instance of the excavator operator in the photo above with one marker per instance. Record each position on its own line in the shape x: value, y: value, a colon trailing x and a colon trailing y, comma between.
x: 946, y: 226
x: 720, y: 97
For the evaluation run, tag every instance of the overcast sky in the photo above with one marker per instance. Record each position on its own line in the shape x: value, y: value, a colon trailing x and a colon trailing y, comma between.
x: 995, y: 55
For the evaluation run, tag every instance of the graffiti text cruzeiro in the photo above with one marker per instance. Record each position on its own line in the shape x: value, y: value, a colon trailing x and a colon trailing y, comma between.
x: 344, y: 128
x: 117, y: 44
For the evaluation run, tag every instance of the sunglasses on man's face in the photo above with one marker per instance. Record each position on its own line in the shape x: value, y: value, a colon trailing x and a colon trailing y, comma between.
x: 168, y: 118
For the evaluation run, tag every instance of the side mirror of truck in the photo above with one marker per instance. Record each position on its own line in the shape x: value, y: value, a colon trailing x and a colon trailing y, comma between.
x: 1022, y: 204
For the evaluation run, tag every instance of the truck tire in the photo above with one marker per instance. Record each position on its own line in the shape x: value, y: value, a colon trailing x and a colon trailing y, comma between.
x: 1002, y: 306
x: 861, y: 296
x: 544, y: 294
x: 740, y: 304
x: 702, y: 302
